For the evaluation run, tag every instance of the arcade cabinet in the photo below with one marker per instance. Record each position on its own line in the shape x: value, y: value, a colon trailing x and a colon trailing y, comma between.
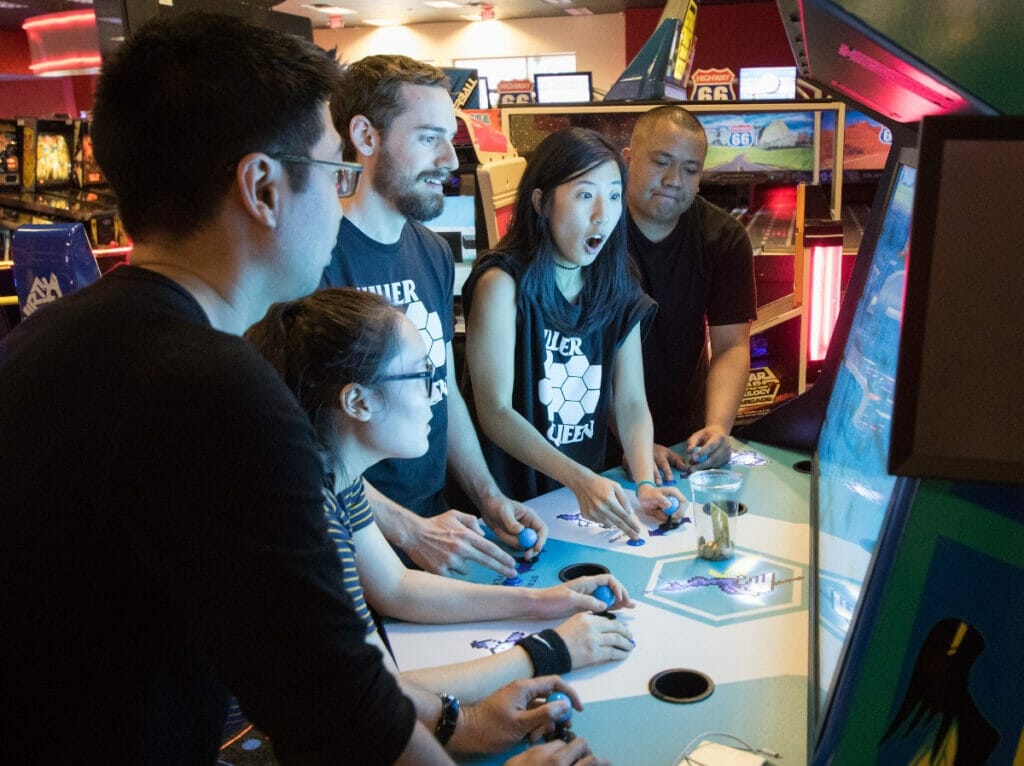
x: 917, y: 506
x: 930, y: 664
x: 55, y: 162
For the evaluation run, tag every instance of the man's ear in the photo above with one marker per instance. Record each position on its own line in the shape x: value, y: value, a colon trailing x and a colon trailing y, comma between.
x: 627, y: 155
x: 259, y: 180
x: 354, y: 402
x: 364, y: 136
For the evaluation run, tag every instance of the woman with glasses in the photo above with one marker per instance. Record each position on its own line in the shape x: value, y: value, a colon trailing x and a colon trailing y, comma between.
x: 359, y: 369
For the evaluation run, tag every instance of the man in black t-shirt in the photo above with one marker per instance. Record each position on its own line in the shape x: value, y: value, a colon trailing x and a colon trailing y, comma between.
x: 162, y: 532
x: 398, y: 121
x: 696, y: 261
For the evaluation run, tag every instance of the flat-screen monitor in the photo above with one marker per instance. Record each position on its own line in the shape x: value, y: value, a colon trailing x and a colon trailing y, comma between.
x: 959, y: 411
x: 563, y: 88
x: 771, y: 83
x: 866, y: 146
x: 852, y: 487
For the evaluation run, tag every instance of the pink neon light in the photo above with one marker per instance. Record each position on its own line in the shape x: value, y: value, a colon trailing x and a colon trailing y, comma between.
x: 67, y: 62
x: 826, y: 286
x: 57, y: 20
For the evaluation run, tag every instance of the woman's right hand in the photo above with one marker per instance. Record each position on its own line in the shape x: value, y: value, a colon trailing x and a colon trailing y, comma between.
x: 605, y: 501
x: 594, y: 638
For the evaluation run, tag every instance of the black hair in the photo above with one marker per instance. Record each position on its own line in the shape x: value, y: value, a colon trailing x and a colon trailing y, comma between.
x: 610, y: 280
x: 186, y: 97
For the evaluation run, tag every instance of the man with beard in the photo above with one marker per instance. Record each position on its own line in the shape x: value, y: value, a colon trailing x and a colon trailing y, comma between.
x: 400, y: 118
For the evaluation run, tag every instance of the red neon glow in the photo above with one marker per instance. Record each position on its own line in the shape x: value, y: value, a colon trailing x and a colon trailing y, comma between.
x: 826, y: 286
x: 85, y: 61
x: 59, y: 20
x: 61, y: 43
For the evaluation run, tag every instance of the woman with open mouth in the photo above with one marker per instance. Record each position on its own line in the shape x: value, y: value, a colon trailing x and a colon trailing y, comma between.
x: 553, y: 326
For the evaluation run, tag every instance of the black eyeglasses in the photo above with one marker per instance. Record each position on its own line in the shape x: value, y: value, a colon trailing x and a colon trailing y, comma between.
x: 348, y: 172
x: 427, y: 375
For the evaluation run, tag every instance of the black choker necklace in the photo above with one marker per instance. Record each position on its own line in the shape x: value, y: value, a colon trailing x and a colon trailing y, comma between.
x: 566, y: 268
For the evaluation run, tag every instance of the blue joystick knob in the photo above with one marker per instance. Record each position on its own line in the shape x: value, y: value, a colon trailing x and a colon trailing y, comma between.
x: 604, y: 593
x: 555, y: 697
x: 673, y: 505
x: 527, y: 538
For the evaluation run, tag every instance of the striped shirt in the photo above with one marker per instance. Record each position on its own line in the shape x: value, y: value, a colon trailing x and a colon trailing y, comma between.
x: 346, y: 515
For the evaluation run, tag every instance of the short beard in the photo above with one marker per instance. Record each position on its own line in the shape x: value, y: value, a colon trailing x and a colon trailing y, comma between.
x: 391, y: 183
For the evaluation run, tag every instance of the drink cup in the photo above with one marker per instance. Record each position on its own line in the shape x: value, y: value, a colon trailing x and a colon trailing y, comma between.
x: 716, y: 499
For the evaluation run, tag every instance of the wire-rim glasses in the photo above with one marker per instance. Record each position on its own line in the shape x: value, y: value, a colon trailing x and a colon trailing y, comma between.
x: 348, y: 172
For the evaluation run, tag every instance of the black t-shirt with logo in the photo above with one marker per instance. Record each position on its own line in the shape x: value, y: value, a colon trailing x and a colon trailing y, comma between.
x: 563, y: 382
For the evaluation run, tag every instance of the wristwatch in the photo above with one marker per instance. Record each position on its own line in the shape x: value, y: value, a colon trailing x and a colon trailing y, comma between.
x: 449, y: 717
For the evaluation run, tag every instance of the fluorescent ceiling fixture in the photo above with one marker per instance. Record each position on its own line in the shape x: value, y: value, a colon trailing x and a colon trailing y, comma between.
x: 579, y: 11
x: 470, y: 17
x: 558, y: 3
x: 442, y: 4
x: 5, y: 6
x: 382, y: 22
x: 330, y: 10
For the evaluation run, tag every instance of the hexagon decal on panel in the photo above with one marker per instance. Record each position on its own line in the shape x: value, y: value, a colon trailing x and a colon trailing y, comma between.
x: 718, y: 592
x: 429, y: 325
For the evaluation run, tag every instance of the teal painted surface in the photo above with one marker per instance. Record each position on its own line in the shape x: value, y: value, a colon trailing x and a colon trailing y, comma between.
x: 644, y: 731
x: 977, y: 44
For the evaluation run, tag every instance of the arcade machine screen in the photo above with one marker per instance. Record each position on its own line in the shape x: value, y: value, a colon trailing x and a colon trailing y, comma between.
x: 852, y: 487
x: 53, y: 160
x: 10, y: 157
x: 767, y: 146
x: 866, y: 145
x: 767, y: 82
x: 742, y: 146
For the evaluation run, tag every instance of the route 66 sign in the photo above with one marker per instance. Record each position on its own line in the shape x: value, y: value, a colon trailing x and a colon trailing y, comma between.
x: 713, y: 85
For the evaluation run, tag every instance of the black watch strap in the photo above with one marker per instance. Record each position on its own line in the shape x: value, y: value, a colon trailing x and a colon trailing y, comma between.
x: 448, y: 719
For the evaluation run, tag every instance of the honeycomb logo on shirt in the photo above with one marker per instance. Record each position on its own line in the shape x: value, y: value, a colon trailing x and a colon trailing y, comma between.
x: 570, y: 390
x: 429, y: 325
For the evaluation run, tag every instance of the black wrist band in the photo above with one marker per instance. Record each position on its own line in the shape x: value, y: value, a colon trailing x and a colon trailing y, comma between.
x: 448, y: 718
x: 548, y: 653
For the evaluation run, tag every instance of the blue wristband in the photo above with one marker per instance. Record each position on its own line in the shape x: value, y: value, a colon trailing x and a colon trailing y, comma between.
x: 641, y: 483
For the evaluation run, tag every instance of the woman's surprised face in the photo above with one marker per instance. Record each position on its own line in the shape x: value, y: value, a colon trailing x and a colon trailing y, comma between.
x: 584, y: 213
